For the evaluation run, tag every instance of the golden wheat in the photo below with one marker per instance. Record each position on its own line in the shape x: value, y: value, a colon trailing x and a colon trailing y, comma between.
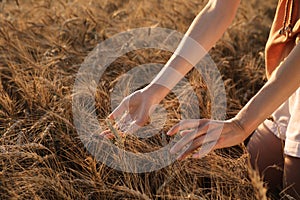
x: 43, y: 43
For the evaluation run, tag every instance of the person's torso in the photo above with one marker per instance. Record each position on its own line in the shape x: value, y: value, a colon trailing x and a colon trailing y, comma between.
x: 284, y: 34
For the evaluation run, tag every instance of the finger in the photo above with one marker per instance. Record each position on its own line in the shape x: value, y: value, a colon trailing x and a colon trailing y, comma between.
x: 187, y: 139
x: 200, y: 154
x: 186, y: 124
x: 109, y: 136
x: 205, y: 148
x: 124, y: 122
x: 207, y: 142
x: 119, y: 110
x: 193, y: 145
x: 185, y: 132
x: 105, y: 132
x: 130, y: 123
x: 133, y: 127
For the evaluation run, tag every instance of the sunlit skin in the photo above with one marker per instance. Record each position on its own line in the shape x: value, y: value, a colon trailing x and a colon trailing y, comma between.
x: 206, y: 33
x: 283, y: 82
x: 235, y: 130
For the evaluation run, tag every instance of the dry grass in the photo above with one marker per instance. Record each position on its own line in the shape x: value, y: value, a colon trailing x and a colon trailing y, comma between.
x: 42, y: 45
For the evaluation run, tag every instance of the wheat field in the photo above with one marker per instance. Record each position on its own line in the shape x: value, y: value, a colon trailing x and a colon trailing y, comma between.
x: 43, y: 44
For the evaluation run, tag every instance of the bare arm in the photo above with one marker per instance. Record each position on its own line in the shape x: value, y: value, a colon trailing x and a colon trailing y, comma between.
x: 284, y: 81
x: 208, y: 26
x: 206, y: 29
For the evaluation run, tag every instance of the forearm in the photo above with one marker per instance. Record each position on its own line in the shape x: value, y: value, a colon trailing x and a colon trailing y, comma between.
x: 208, y: 26
x: 283, y: 83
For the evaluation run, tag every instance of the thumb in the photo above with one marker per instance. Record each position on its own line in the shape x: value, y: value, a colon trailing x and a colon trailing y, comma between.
x: 119, y: 110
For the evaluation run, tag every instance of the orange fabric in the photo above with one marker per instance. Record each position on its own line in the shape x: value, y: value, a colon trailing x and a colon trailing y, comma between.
x: 280, y: 45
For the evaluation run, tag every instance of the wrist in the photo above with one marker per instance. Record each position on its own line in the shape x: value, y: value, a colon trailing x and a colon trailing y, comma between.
x: 248, y: 119
x: 168, y: 77
x: 155, y: 92
x: 240, y: 126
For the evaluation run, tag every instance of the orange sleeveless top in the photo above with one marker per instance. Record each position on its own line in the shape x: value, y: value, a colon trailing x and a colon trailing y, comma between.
x: 284, y: 34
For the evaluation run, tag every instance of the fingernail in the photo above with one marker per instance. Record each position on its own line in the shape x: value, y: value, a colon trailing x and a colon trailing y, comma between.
x: 172, y: 150
x: 170, y: 133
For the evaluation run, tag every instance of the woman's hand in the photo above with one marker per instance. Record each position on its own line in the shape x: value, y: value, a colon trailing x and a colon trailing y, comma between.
x: 199, y: 133
x: 134, y: 110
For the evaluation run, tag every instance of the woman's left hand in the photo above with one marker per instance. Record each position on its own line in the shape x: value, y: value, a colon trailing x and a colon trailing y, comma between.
x: 199, y: 132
